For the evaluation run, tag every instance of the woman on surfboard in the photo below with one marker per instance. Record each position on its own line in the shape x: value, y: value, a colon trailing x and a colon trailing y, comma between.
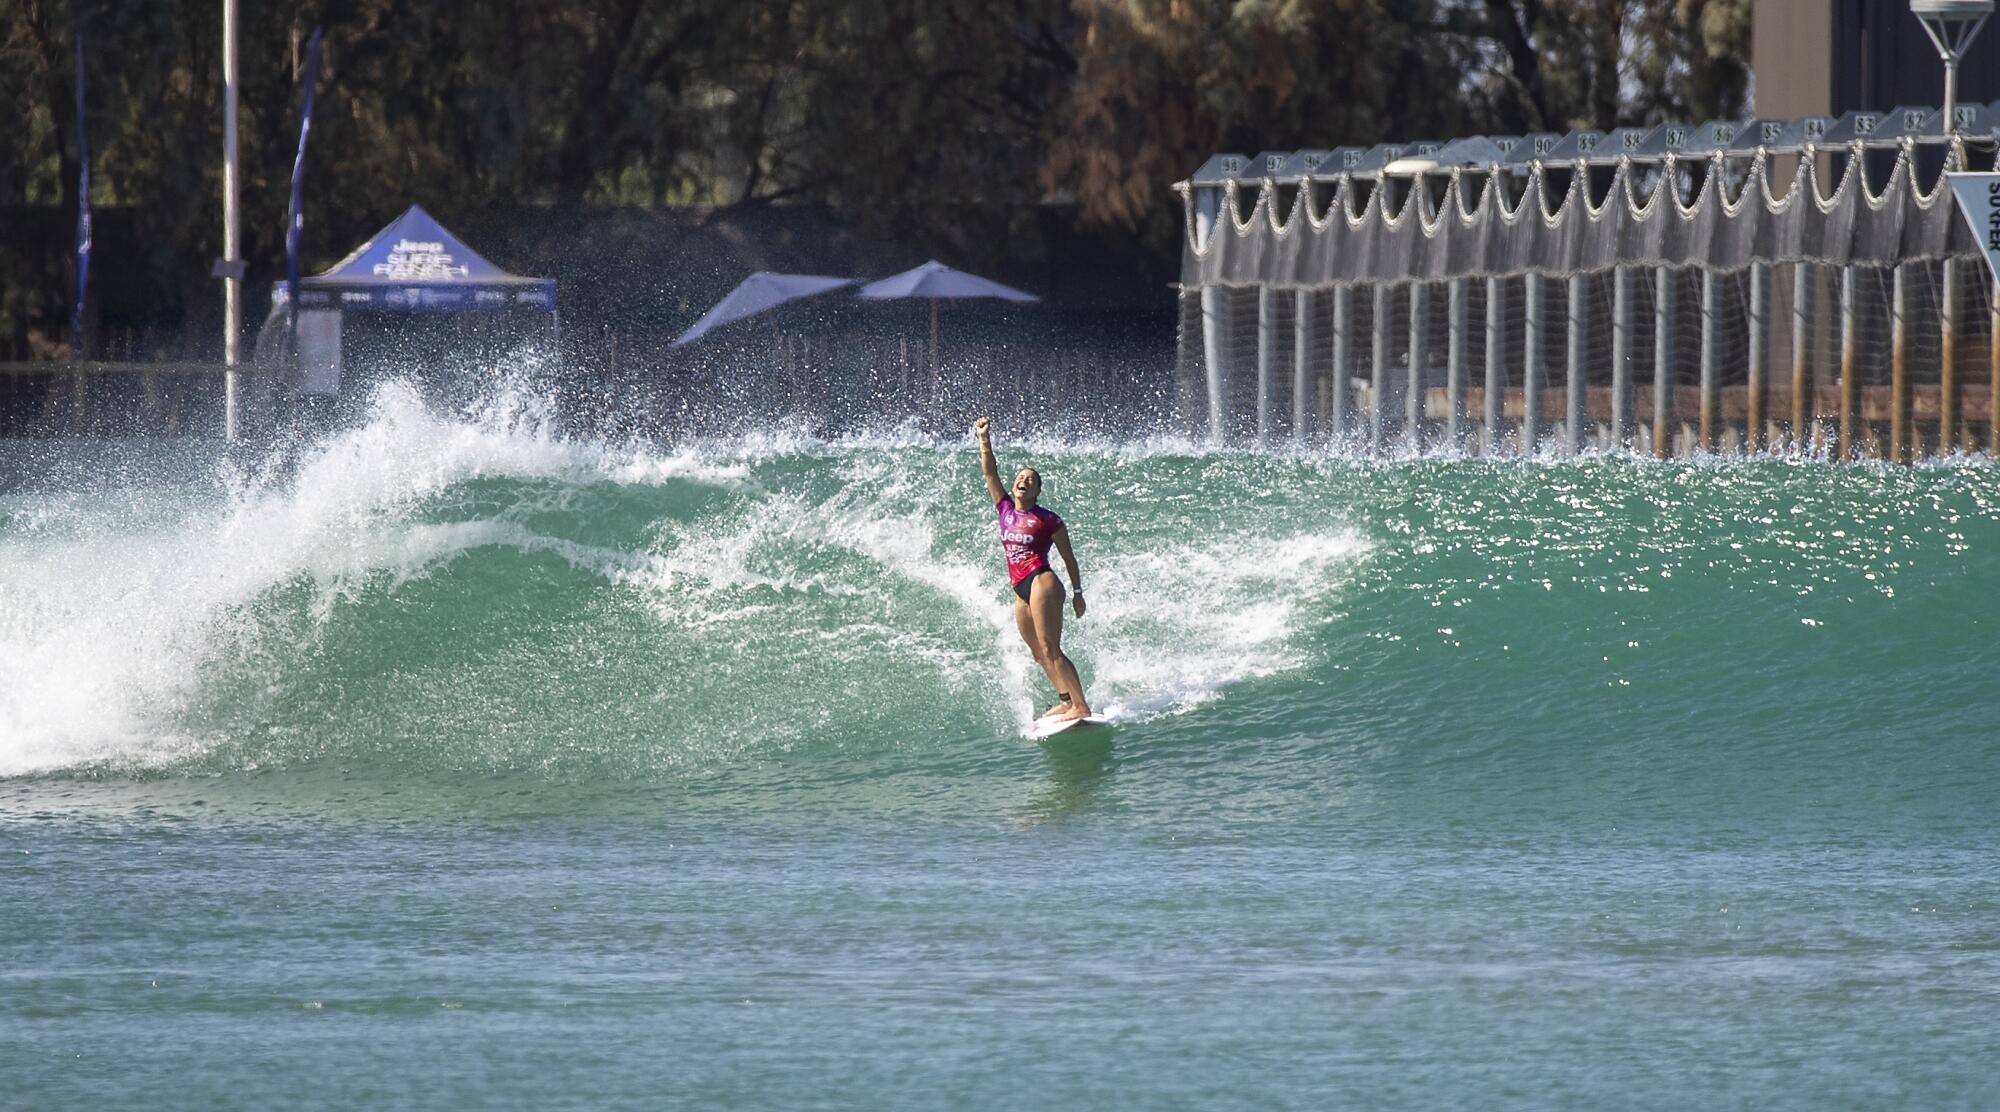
x: 1027, y: 530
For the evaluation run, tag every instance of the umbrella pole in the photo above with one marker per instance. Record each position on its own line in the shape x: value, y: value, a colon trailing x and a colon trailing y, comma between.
x: 934, y: 335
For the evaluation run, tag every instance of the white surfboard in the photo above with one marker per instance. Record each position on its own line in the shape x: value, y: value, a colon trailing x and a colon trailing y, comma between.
x: 1045, y: 728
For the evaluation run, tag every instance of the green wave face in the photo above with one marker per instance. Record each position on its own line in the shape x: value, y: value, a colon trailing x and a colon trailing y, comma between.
x: 434, y: 613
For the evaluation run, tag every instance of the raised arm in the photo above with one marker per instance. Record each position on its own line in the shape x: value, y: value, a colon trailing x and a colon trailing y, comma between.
x: 1069, y: 564
x: 994, y: 491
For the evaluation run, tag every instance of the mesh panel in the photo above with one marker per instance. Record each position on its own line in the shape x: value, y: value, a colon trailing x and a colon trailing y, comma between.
x: 1314, y: 375
x: 1848, y: 365
x: 1390, y: 374
x: 1599, y: 361
x: 1975, y: 361
x: 1277, y: 386
x: 1509, y: 310
x: 1360, y: 366
x: 1274, y: 368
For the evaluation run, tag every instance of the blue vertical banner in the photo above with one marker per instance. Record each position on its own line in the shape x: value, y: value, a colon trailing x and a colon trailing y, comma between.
x: 82, y: 212
x: 295, y: 217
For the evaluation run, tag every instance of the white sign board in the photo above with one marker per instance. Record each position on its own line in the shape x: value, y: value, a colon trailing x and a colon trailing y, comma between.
x: 1979, y: 199
x: 319, y: 351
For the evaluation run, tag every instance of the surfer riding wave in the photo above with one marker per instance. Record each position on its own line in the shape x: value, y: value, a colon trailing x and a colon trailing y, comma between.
x: 1027, y: 531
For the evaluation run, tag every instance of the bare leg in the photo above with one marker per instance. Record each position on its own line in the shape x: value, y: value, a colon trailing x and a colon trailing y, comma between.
x: 1045, y: 603
x: 1025, y: 622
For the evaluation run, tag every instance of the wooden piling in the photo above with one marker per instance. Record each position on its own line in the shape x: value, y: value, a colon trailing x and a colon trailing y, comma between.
x: 1531, y: 364
x: 1215, y: 344
x: 1711, y: 356
x: 1267, y: 355
x: 1457, y: 313
x: 1496, y: 355
x: 1948, y: 360
x: 1302, y: 349
x: 1621, y: 355
x: 1413, y: 393
x: 1574, y: 385
x: 1760, y: 346
x: 1663, y: 362
x: 1343, y: 355
x: 1802, y: 384
x: 1377, y: 395
x: 1850, y: 385
x: 1899, y: 366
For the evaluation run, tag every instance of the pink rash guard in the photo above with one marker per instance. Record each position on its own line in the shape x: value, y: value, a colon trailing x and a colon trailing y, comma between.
x: 1025, y: 535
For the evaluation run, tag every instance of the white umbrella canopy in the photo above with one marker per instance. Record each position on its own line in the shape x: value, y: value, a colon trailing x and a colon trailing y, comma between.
x: 935, y: 281
x: 761, y: 291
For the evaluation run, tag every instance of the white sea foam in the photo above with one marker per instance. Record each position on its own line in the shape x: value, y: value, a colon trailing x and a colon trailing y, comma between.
x: 1169, y: 628
x: 108, y: 618
x: 1170, y: 631
x: 876, y: 536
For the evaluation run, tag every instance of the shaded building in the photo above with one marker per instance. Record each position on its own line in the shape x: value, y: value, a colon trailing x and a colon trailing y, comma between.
x: 1826, y: 57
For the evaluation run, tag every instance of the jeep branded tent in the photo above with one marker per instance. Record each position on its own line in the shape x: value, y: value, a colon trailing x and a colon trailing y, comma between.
x: 413, y: 266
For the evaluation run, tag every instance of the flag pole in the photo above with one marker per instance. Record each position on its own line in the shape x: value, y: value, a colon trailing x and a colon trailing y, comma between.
x: 295, y: 217
x: 82, y: 212
x: 232, y: 282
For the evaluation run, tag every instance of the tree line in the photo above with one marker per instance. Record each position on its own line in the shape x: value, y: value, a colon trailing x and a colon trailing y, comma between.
x: 921, y: 121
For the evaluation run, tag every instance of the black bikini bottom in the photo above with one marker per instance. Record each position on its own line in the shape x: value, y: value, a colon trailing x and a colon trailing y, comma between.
x: 1026, y: 586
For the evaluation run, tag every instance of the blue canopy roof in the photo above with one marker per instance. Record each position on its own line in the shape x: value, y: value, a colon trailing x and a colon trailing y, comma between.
x: 415, y: 266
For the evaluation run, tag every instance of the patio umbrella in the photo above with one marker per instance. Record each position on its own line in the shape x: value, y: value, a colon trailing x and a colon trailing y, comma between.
x: 933, y: 281
x: 762, y: 290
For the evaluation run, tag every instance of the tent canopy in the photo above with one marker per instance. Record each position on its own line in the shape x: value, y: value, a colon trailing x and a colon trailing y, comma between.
x: 935, y: 280
x: 762, y: 290
x: 416, y: 266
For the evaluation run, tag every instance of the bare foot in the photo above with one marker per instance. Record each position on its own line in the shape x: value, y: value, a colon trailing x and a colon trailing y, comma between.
x: 1058, y: 709
x: 1077, y: 712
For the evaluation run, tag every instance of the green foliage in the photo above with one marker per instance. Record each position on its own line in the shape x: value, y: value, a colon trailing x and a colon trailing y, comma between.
x: 945, y: 123
x: 1553, y: 65
x: 1161, y: 83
